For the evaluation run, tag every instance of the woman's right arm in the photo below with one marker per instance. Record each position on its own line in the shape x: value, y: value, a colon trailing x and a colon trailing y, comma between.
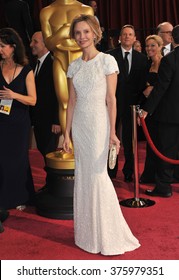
x: 29, y: 99
x: 69, y: 118
x: 147, y: 91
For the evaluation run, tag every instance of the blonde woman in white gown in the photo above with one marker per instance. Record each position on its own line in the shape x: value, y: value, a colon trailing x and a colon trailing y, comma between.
x: 98, y: 221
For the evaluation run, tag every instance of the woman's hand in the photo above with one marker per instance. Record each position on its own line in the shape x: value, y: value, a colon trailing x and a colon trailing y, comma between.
x: 56, y: 128
x: 144, y: 115
x: 7, y: 93
x: 66, y: 144
x: 115, y: 141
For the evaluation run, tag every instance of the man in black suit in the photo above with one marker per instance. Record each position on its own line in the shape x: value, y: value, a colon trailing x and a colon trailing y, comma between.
x: 44, y: 114
x: 164, y: 101
x: 164, y: 30
x: 131, y: 83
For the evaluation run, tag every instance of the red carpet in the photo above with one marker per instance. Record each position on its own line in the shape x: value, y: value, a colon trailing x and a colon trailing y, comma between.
x: 29, y: 236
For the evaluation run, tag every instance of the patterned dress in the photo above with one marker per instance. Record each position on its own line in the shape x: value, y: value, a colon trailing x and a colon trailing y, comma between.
x: 98, y: 220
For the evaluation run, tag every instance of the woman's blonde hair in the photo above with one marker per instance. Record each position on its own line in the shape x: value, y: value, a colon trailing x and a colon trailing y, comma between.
x: 92, y: 22
x: 157, y: 38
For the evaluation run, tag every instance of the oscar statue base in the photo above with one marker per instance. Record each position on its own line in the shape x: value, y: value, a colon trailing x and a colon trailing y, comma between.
x: 56, y: 199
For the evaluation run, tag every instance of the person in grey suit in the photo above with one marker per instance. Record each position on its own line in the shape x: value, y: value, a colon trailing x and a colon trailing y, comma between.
x: 44, y: 114
x: 130, y: 86
x: 164, y: 101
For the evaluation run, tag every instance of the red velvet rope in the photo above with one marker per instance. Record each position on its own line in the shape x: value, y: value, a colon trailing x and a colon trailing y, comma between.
x: 149, y: 140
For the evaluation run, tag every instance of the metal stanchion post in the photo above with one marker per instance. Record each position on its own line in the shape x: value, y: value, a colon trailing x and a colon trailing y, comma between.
x: 136, y: 202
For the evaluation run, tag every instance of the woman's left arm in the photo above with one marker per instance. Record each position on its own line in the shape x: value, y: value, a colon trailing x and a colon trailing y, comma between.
x: 111, y: 105
x: 29, y: 99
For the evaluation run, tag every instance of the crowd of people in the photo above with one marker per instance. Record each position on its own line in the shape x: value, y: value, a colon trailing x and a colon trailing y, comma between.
x: 75, y: 86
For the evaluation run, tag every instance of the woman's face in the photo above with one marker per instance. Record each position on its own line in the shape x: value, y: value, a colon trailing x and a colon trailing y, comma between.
x: 6, y: 51
x: 152, y: 48
x: 83, y: 34
x: 137, y: 46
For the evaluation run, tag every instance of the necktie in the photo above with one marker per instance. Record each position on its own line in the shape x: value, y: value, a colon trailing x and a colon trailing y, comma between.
x: 37, y: 68
x: 126, y: 63
x: 163, y: 51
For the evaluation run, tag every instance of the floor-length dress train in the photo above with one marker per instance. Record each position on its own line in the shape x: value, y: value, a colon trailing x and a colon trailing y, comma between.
x: 98, y: 220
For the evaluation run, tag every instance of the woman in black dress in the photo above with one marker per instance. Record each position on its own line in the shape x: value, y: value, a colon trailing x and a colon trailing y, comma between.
x: 153, y: 47
x: 17, y: 92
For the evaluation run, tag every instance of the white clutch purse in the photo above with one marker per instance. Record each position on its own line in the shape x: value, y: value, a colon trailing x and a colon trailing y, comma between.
x: 112, y: 157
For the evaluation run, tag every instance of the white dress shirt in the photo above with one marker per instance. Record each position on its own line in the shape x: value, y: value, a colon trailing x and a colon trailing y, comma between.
x: 167, y: 49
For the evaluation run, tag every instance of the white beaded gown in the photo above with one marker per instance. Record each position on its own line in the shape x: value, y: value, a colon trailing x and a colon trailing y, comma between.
x: 99, y: 224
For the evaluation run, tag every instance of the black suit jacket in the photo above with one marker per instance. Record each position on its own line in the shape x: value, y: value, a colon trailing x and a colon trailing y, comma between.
x: 164, y: 98
x: 46, y: 109
x: 129, y: 88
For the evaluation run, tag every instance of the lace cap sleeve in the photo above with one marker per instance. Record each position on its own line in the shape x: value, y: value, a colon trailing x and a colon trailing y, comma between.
x: 110, y: 65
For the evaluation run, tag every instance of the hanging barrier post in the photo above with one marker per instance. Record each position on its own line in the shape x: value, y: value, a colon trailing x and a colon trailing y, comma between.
x: 136, y: 202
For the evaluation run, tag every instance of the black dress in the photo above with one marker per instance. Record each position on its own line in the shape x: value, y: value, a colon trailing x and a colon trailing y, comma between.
x: 148, y: 173
x: 16, y: 184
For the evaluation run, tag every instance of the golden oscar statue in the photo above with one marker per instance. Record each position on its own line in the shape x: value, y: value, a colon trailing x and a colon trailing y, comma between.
x: 55, y: 23
x: 56, y: 201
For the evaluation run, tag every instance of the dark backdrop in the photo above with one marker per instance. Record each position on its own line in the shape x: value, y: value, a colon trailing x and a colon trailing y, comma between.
x: 145, y: 15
